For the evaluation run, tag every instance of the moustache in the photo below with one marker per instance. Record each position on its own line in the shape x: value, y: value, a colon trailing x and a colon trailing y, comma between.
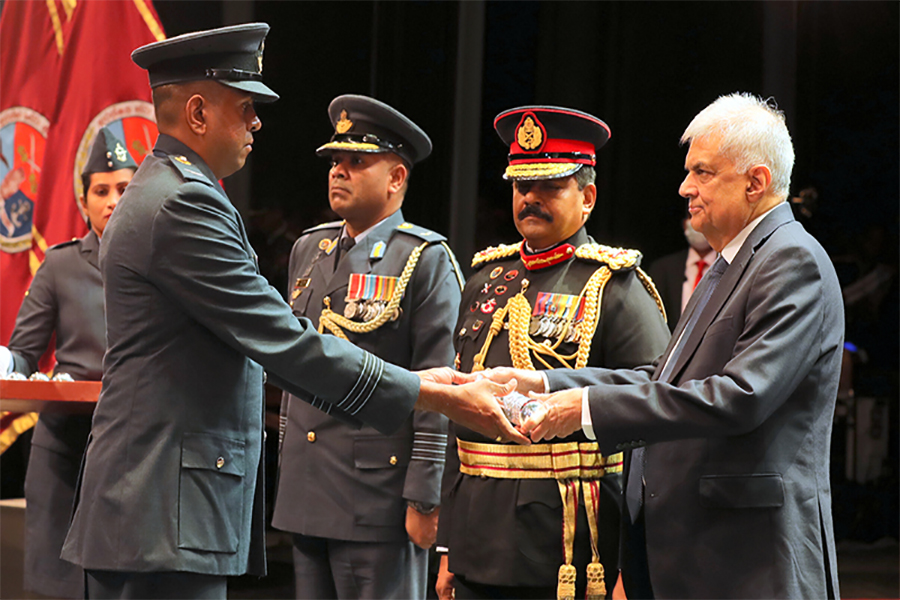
x: 533, y: 210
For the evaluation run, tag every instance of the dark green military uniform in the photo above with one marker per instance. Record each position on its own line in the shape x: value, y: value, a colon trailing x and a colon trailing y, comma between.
x: 506, y: 532
x: 521, y: 521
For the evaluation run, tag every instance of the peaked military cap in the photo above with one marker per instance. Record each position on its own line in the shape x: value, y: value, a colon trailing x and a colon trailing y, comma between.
x: 549, y: 142
x: 108, y: 153
x: 363, y: 124
x: 232, y: 55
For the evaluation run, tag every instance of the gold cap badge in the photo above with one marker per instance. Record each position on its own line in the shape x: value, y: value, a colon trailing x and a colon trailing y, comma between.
x: 259, y: 55
x: 529, y: 135
x: 344, y: 124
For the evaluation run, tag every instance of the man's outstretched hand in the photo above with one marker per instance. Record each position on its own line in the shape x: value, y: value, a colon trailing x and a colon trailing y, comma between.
x: 473, y: 405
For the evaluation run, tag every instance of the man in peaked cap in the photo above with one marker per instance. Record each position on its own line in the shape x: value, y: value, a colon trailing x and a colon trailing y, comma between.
x: 65, y: 298
x: 171, y: 489
x: 358, y: 501
x: 555, y: 299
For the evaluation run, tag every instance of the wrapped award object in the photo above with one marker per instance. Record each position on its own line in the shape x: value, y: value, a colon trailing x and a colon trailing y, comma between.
x: 519, y: 408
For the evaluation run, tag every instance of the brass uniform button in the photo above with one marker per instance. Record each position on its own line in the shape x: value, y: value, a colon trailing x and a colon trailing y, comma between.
x: 220, y: 462
x: 311, y: 436
x: 393, y: 460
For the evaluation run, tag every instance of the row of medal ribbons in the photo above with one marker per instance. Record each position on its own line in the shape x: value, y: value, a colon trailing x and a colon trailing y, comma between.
x: 369, y: 295
x: 552, y: 311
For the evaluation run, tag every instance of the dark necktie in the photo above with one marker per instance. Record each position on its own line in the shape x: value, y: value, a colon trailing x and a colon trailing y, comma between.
x: 634, y: 489
x: 344, y: 246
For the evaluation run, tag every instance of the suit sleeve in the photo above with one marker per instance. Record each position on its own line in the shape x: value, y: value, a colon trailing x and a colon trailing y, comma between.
x: 201, y: 261
x: 435, y: 304
x: 36, y: 321
x: 726, y: 391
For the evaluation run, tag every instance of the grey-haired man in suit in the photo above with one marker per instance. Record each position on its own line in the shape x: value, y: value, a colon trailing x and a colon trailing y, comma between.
x: 727, y: 490
x: 363, y: 506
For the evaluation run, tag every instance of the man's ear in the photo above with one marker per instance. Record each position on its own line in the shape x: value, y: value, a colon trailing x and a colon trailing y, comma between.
x: 590, y: 200
x: 195, y: 113
x: 397, y: 177
x: 759, y: 178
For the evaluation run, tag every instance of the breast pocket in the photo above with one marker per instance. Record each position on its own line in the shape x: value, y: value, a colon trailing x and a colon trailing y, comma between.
x: 211, y: 492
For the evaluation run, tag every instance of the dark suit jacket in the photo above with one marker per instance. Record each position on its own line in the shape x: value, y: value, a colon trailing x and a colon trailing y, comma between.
x: 66, y: 298
x: 353, y: 484
x: 667, y: 273
x: 737, y: 500
x: 171, y: 479
x: 506, y: 532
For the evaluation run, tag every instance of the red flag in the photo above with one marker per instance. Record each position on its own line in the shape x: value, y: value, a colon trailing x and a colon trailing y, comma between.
x: 65, y: 72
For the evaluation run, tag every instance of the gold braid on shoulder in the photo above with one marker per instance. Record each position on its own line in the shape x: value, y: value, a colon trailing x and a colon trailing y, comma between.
x: 492, y: 253
x: 648, y: 283
x: 336, y: 323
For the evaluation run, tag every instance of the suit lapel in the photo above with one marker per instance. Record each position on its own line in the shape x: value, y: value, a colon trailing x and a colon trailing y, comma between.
x: 776, y: 218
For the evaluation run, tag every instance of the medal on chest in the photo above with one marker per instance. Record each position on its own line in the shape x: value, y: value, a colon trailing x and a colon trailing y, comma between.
x: 368, y: 296
x: 557, y: 316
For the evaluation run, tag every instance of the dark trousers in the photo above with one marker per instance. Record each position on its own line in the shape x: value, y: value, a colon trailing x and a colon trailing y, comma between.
x: 327, y: 568
x: 635, y: 568
x: 164, y: 585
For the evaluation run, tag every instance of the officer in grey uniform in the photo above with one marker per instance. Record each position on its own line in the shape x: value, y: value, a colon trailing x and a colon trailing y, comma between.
x: 66, y: 298
x: 363, y: 506
x: 171, y: 497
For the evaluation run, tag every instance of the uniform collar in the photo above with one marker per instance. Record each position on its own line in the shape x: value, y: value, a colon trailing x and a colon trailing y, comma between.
x: 554, y: 255
x: 166, y: 145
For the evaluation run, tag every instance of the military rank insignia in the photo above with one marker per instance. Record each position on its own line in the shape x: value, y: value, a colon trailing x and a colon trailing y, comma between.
x: 368, y: 296
x: 344, y: 124
x: 551, y: 314
x: 530, y: 134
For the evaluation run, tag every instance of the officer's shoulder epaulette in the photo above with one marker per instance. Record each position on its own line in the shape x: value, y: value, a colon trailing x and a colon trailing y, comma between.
x: 65, y: 244
x: 492, y: 253
x: 323, y: 226
x: 615, y: 258
x: 189, y: 171
x: 419, y: 232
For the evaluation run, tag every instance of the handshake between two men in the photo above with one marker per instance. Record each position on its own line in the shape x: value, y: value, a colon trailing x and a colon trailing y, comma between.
x: 473, y: 403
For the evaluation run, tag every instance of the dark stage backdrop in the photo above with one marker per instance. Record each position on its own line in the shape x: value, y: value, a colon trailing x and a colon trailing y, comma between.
x: 645, y: 68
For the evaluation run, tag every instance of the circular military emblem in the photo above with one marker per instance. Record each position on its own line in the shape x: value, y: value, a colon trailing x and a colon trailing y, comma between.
x: 510, y: 275
x: 500, y: 290
x: 474, y: 306
x: 496, y: 272
x: 23, y: 135
x: 133, y: 122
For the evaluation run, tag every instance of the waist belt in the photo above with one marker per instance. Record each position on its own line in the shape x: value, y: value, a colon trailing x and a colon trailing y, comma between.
x: 573, y: 465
